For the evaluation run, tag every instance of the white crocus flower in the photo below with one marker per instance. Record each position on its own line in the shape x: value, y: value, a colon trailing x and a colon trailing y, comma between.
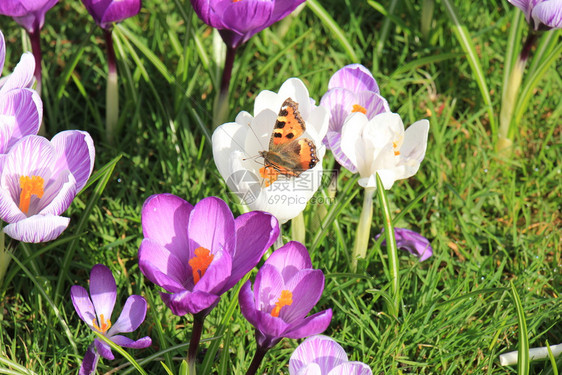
x: 381, y: 145
x: 237, y: 148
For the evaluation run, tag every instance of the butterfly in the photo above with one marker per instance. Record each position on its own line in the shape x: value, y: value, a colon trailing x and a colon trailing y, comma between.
x: 288, y: 154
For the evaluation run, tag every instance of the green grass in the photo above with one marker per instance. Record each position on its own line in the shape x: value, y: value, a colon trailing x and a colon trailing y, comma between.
x: 491, y: 222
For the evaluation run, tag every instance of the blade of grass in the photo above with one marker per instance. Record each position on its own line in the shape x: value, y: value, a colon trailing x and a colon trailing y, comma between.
x: 333, y: 27
x: 120, y: 350
x: 463, y: 36
x: 104, y: 179
x: 51, y: 303
x: 523, y: 362
x: 513, y: 47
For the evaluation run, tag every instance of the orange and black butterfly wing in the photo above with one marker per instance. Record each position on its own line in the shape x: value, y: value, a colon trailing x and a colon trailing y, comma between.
x: 288, y: 126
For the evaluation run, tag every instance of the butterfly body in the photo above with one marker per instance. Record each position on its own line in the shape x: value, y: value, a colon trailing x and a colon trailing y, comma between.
x: 288, y: 154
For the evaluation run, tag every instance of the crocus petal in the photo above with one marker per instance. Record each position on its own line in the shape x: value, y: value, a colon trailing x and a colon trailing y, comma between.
x: 247, y: 303
x: 37, y: 228
x: 283, y: 9
x: 118, y: 11
x: 211, y: 226
x: 189, y: 302
x: 126, y: 342
x: 248, y: 16
x: 351, y: 368
x: 103, y: 291
x: 58, y: 195
x: 103, y: 349
x: 89, y: 362
x: 132, y: 315
x: 306, y: 286
x: 162, y: 267
x: 290, y: 259
x: 2, y: 51
x: 355, y: 78
x: 339, y: 102
x: 255, y: 233
x: 267, y: 287
x: 333, y: 141
x: 351, y: 139
x: 22, y: 75
x: 310, y: 369
x: 320, y: 350
x: 82, y: 304
x: 165, y: 218
x: 311, y: 325
x: 411, y: 241
x: 271, y: 327
x: 24, y: 106
x: 75, y: 152
x: 415, y: 141
x: 548, y: 13
x: 216, y: 275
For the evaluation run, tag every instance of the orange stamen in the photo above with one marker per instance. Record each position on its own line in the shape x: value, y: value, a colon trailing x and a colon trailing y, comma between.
x: 395, y: 146
x: 200, y: 262
x: 30, y: 186
x: 235, y: 1
x: 286, y: 299
x: 358, y: 108
x: 269, y: 174
x: 105, y: 324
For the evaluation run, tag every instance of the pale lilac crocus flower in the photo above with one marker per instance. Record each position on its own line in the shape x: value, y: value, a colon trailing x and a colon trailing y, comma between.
x: 285, y: 291
x: 412, y: 242
x: 351, y: 89
x: 39, y: 180
x: 31, y: 15
x: 199, y: 252
x: 95, y: 310
x: 21, y: 108
x: 541, y: 14
x: 322, y: 355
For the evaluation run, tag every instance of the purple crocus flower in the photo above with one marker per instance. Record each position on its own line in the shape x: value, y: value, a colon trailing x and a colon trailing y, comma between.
x: 198, y: 253
x: 321, y: 355
x: 285, y: 290
x: 351, y: 89
x: 95, y: 310
x: 541, y: 14
x: 108, y: 12
x: 38, y: 181
x: 238, y: 20
x: 28, y: 13
x: 413, y: 242
x: 21, y: 109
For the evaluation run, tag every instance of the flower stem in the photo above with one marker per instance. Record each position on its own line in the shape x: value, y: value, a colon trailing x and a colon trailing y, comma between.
x: 392, y: 249
x: 112, y: 90
x: 198, y: 320
x: 510, y: 98
x: 221, y: 103
x: 4, y: 257
x: 258, y: 357
x: 298, y: 230
x: 35, y: 38
x: 363, y: 230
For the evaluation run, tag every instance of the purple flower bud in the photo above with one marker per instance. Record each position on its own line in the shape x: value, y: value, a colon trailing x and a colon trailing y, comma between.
x: 108, y: 12
x: 238, y: 20
x: 28, y: 13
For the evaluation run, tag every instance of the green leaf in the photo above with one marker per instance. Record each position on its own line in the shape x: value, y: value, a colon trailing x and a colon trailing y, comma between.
x: 121, y: 351
x: 523, y: 361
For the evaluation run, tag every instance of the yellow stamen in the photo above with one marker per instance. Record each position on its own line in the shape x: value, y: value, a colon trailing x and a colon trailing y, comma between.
x: 358, y: 108
x: 105, y: 324
x: 30, y: 186
x: 286, y: 299
x: 200, y: 262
